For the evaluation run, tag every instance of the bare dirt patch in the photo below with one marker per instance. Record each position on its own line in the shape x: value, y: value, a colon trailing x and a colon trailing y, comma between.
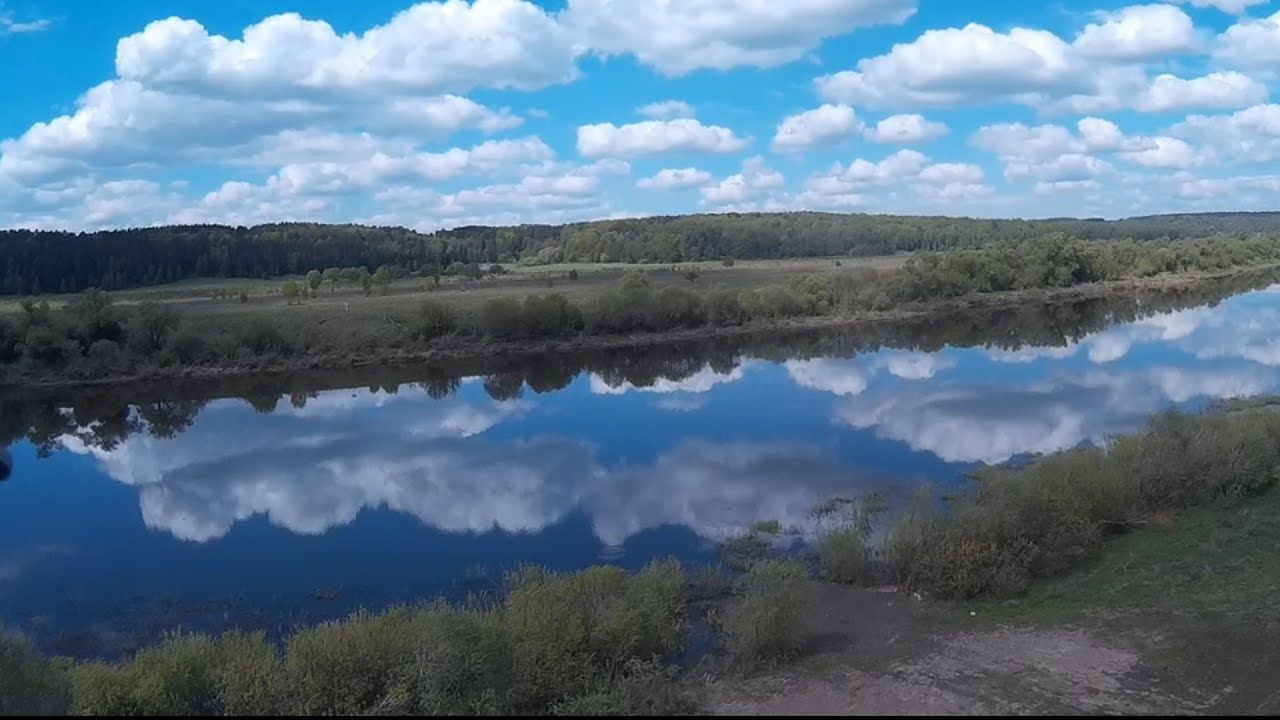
x: 884, y: 653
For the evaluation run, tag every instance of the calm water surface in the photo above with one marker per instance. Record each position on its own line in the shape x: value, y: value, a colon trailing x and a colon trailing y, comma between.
x: 127, y: 517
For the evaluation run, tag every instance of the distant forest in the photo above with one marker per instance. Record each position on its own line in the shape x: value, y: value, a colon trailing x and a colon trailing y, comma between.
x: 34, y: 262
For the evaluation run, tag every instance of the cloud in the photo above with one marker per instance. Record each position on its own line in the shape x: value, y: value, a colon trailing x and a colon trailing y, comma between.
x: 309, y: 471
x: 1101, y: 70
x: 431, y: 47
x: 904, y: 129
x: 1235, y: 7
x: 1139, y: 32
x: 1251, y: 43
x: 954, y: 65
x: 9, y: 26
x: 672, y: 178
x: 703, y: 380
x: 755, y: 179
x: 1216, y: 90
x: 1251, y: 135
x: 666, y: 109
x: 655, y: 137
x: 994, y: 424
x: 680, y: 37
x: 850, y: 185
x: 1052, y: 153
x: 825, y: 125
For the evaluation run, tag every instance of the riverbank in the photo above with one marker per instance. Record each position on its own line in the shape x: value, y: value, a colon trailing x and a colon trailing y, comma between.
x: 397, y: 347
x: 1172, y: 614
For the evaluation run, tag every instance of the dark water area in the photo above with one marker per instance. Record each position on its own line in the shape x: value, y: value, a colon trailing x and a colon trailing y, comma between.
x: 277, y: 501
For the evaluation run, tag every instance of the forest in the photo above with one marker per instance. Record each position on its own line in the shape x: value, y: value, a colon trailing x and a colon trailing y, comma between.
x: 34, y: 262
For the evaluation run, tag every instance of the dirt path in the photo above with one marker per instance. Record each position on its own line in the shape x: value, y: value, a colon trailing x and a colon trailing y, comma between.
x: 884, y: 653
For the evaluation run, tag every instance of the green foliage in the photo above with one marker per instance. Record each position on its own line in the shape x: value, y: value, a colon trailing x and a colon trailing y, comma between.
x: 28, y: 684
x: 33, y: 262
x: 434, y: 319
x: 290, y: 290
x: 314, y: 278
x: 381, y: 279
x: 767, y: 623
x: 348, y: 667
x: 597, y: 640
x: 843, y: 555
x: 262, y: 336
x: 633, y: 280
x: 500, y: 318
x: 1019, y: 524
x: 150, y: 326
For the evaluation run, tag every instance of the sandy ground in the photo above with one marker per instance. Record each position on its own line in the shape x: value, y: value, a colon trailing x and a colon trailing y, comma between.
x: 880, y: 652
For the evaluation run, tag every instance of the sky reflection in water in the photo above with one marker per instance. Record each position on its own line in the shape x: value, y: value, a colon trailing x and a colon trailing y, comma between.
x: 364, y: 497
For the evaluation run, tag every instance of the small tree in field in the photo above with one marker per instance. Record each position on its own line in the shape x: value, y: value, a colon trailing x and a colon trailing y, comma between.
x: 290, y: 291
x: 332, y: 276
x: 314, y: 278
x: 382, y: 278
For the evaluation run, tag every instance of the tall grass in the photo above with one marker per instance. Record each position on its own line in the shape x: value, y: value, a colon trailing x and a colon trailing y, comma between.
x: 767, y: 622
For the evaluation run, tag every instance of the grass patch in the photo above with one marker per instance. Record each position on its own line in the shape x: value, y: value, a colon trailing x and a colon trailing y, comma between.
x: 1203, y: 581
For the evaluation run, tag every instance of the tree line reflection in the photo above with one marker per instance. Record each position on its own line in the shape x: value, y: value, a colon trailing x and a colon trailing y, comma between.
x: 103, y: 417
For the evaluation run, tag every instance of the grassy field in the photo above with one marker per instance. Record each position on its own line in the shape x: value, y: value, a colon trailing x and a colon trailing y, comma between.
x: 198, y: 295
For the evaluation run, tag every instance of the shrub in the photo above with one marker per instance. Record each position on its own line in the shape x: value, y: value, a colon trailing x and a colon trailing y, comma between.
x: 461, y: 665
x: 644, y: 689
x: 675, y: 308
x: 500, y: 318
x: 250, y: 678
x: 843, y: 555
x: 106, y: 354
x: 767, y: 622
x: 348, y: 667
x: 262, y: 336
x: 723, y: 308
x: 433, y: 320
x: 549, y: 316
x: 28, y: 684
x: 1039, y: 520
x: 633, y: 280
x: 568, y: 630
x: 187, y: 345
x: 177, y: 677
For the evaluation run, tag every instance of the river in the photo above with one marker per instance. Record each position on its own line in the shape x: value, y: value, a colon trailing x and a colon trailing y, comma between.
x: 270, y: 502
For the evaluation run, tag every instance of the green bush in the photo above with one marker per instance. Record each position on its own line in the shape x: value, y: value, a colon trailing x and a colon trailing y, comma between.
x: 768, y: 622
x: 643, y: 689
x: 1018, y: 524
x: 550, y: 316
x: 461, y: 665
x: 28, y: 684
x: 348, y: 667
x: 500, y: 318
x: 843, y: 555
x: 177, y: 677
x: 570, y: 629
x: 434, y: 319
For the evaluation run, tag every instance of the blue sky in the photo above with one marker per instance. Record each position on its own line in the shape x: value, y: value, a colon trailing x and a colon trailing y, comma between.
x: 440, y: 114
